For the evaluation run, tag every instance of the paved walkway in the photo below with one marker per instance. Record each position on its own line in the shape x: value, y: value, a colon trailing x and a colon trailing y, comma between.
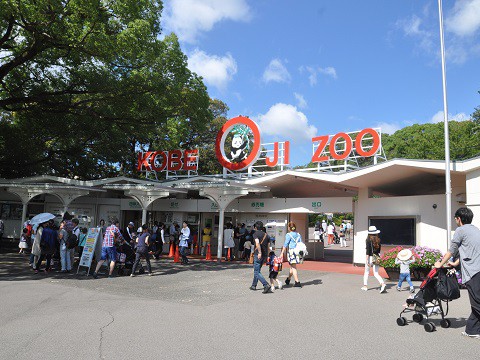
x: 206, y: 311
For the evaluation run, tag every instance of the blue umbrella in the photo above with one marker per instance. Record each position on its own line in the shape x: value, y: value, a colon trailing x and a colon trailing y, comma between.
x: 41, y: 218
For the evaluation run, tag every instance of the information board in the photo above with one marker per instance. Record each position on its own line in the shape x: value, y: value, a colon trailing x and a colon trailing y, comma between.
x: 93, y: 245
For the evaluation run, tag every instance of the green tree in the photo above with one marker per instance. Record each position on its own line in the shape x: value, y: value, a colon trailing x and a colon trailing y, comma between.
x: 84, y: 84
x: 426, y: 141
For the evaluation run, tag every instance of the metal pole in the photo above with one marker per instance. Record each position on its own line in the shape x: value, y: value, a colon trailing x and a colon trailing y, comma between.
x: 448, y: 185
x: 221, y: 222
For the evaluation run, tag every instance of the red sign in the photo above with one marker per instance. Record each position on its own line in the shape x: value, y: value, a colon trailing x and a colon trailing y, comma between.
x: 173, y: 160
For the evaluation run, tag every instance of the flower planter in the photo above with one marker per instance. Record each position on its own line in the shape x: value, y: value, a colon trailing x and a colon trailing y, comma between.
x: 392, y: 273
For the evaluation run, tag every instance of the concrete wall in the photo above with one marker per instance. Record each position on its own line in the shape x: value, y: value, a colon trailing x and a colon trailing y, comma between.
x: 431, y: 223
x: 473, y: 195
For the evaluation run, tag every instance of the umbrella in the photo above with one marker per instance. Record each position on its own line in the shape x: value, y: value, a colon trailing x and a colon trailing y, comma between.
x: 41, y: 218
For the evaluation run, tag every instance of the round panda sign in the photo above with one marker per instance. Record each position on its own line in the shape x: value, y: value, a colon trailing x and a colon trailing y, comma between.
x: 238, y: 143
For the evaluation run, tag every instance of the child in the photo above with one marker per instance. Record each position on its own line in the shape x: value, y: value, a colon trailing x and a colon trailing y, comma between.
x: 343, y: 242
x: 274, y: 267
x: 23, y: 241
x: 405, y: 258
x: 247, y: 250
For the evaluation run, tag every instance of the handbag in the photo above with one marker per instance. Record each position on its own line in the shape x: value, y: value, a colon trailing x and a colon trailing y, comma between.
x: 375, y: 257
x: 447, y: 285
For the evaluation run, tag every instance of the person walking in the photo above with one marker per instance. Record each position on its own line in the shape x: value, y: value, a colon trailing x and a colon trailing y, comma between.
x: 292, y: 238
x: 259, y: 256
x: 404, y: 259
x: 466, y: 245
x: 372, y: 246
x: 229, y: 242
x: 183, y: 244
x: 48, y: 241
x: 109, y: 251
x: 143, y: 241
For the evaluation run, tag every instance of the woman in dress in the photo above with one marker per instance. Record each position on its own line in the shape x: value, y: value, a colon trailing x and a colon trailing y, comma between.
x: 372, y: 246
x: 291, y: 240
x: 228, y: 241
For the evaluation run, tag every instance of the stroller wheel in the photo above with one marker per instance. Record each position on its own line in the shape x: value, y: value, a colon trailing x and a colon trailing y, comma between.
x: 417, y: 318
x: 429, y: 327
x: 401, y: 321
x: 445, y: 323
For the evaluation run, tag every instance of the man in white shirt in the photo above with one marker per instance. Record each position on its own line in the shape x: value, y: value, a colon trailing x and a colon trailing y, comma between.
x: 330, y: 230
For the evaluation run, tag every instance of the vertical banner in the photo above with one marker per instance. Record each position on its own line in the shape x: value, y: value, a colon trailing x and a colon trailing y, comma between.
x: 93, y: 245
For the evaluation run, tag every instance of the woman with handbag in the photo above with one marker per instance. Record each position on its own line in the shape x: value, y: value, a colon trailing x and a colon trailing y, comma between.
x: 292, y: 238
x: 373, y: 247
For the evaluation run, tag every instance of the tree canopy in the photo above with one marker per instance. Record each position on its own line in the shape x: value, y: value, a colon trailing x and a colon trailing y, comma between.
x: 85, y: 83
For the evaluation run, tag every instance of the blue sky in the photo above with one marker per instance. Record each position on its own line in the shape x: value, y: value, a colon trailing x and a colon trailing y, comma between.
x: 312, y: 67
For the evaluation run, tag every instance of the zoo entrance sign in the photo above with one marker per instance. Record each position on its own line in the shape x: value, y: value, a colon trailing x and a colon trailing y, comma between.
x: 238, y: 146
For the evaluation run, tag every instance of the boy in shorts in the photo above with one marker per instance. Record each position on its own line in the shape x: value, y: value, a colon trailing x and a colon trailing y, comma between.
x: 273, y: 271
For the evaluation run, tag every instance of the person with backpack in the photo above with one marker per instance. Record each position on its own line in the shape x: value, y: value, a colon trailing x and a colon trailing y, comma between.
x: 292, y: 238
x: 259, y: 256
x: 184, y: 240
x: 143, y: 241
x: 65, y: 257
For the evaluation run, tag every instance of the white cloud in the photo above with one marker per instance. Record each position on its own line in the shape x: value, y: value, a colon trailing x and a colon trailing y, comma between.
x: 465, y: 18
x: 330, y: 71
x: 389, y: 128
x: 313, y: 73
x: 187, y: 18
x: 286, y: 122
x: 412, y: 27
x: 276, y: 71
x: 438, y: 117
x: 216, y: 70
x: 301, y: 102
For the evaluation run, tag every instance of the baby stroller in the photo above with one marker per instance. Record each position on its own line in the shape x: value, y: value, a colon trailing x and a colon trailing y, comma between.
x: 125, y: 260
x: 439, y: 286
x: 336, y: 237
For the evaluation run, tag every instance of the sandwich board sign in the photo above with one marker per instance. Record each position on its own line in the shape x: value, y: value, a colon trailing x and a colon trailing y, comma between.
x: 93, y: 245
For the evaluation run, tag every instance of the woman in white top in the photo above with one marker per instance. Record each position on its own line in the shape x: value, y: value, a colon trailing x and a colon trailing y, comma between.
x: 228, y: 241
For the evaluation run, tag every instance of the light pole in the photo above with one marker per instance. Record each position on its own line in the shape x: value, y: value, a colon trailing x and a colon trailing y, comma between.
x: 448, y: 185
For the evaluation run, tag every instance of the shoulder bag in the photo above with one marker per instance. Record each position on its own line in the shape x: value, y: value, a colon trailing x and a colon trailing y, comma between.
x: 375, y: 257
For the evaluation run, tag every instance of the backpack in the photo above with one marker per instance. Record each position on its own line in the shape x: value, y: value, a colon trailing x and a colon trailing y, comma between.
x: 72, y: 240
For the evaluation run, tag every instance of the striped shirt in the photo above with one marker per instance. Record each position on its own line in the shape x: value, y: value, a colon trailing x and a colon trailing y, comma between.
x: 109, y: 237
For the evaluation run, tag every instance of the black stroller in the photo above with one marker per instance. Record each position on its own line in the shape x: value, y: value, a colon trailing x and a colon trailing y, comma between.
x: 125, y: 260
x: 440, y: 285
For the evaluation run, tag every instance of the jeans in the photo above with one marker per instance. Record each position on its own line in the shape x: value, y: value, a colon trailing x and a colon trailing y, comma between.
x: 41, y: 258
x: 402, y: 278
x: 183, y: 253
x: 257, y: 275
x: 65, y: 258
x: 138, y: 255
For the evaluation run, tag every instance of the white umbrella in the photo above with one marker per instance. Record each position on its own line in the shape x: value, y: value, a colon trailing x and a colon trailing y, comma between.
x: 41, y: 218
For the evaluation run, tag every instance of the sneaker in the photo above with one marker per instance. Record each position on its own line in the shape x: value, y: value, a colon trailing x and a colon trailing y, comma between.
x: 111, y: 276
x: 474, y: 336
x: 95, y: 275
x: 297, y: 284
x: 412, y: 290
x: 382, y: 288
x: 272, y: 289
x: 150, y: 274
x: 398, y: 289
x: 287, y: 281
x: 280, y: 285
x: 364, y: 288
x: 253, y: 288
x: 132, y: 275
x: 267, y: 289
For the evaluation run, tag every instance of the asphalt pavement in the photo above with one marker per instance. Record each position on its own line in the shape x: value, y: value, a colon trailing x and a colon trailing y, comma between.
x: 206, y: 311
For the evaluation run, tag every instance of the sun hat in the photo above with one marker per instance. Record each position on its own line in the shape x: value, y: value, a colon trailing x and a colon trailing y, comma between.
x: 404, y: 255
x: 373, y: 230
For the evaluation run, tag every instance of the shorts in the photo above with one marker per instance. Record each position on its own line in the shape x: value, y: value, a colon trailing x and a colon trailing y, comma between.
x: 110, y: 252
x: 273, y: 274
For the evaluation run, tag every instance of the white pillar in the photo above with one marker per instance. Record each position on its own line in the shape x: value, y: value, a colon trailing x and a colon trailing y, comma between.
x: 144, y: 216
x: 24, y: 216
x: 221, y: 223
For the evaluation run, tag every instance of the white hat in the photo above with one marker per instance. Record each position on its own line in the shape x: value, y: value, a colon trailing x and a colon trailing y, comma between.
x: 131, y: 223
x: 373, y: 230
x: 404, y: 255
x: 139, y: 230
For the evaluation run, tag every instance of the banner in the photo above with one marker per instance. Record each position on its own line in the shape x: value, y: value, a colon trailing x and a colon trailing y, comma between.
x: 92, y: 243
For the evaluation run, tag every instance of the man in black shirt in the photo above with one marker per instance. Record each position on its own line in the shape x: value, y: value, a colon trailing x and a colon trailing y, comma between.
x: 259, y: 257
